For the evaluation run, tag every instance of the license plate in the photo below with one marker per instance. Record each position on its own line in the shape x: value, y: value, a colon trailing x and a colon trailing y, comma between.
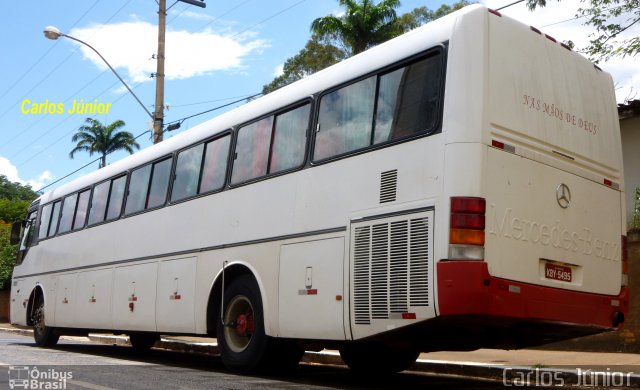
x: 558, y: 272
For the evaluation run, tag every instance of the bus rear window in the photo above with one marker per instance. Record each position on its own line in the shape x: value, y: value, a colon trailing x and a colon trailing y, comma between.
x: 354, y: 117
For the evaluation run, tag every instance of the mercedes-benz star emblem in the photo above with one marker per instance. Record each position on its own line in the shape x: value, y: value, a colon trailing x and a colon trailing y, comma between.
x: 563, y: 195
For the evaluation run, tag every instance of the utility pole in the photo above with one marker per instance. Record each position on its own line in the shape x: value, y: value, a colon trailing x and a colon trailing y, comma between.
x: 158, y: 114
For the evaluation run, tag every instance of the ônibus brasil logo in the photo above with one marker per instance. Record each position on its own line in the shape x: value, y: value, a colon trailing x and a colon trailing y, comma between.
x: 24, y: 377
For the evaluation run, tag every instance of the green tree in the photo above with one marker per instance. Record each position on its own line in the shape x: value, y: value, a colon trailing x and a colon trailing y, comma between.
x: 7, y: 256
x: 15, y: 191
x: 315, y: 56
x: 326, y: 48
x: 610, y: 18
x: 94, y: 137
x: 14, y: 201
x: 423, y: 15
x: 364, y: 24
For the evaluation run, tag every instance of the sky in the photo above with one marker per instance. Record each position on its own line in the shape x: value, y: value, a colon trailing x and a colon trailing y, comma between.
x: 214, y: 56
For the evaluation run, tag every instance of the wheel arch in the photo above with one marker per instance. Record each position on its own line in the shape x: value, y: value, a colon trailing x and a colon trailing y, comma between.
x: 36, y: 292
x: 232, y: 271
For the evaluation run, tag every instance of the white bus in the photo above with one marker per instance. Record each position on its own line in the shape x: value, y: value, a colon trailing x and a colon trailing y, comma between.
x: 454, y: 188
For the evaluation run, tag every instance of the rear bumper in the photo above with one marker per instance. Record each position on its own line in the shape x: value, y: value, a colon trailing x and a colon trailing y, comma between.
x: 467, y: 288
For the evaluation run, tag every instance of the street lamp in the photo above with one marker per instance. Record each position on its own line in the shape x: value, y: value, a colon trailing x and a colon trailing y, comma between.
x: 53, y: 33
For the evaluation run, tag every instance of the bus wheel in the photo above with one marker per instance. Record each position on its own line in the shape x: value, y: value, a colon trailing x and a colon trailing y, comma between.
x: 45, y: 336
x: 143, y: 341
x: 243, y: 345
x: 377, y: 358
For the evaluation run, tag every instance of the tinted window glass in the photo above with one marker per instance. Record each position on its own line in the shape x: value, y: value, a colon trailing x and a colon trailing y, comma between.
x: 68, y: 209
x: 252, y: 151
x: 408, y: 100
x: 81, y: 210
x: 54, y: 219
x: 116, y: 197
x: 45, y: 218
x: 345, y: 119
x: 187, y: 173
x: 27, y: 234
x: 138, y: 186
x: 99, y: 203
x: 289, y: 139
x: 159, y: 183
x: 215, y: 164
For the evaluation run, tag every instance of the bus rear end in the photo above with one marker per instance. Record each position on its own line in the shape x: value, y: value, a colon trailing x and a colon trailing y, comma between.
x: 536, y: 234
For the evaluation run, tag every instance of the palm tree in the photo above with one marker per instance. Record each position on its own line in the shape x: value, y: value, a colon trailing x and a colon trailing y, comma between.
x: 365, y: 24
x: 94, y: 137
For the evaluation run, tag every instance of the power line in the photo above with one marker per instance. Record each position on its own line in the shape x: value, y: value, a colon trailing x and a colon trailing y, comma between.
x: 57, y: 66
x: 203, y: 112
x: 47, y: 52
x: 19, y: 133
x: 68, y: 133
x: 224, y: 14
x: 65, y: 176
x: 215, y: 108
x: 271, y: 17
x: 509, y: 5
x: 143, y: 133
x: 209, y: 101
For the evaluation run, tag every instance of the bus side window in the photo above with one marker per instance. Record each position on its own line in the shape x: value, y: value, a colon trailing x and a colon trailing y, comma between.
x: 215, y: 164
x: 408, y: 100
x: 138, y: 187
x: 252, y: 151
x: 45, y: 218
x: 289, y: 139
x: 345, y: 119
x: 68, y: 208
x: 81, y: 210
x: 99, y: 203
x: 185, y: 183
x: 53, y: 226
x: 29, y: 230
x: 116, y: 195
x: 159, y: 183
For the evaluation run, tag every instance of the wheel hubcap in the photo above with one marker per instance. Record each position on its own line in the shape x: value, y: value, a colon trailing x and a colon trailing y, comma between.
x: 239, y: 323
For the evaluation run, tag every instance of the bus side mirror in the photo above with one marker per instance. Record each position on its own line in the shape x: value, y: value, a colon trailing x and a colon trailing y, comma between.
x: 15, y: 232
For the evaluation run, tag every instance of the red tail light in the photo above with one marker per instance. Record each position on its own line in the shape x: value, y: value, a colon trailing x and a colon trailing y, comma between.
x: 466, y: 228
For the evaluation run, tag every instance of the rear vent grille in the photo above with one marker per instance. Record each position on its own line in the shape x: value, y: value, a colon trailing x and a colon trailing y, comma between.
x: 388, y: 186
x: 390, y: 268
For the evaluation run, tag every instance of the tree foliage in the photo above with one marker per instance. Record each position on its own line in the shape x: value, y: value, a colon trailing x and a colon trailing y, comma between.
x: 14, y: 200
x: 423, y: 15
x: 315, y: 56
x: 15, y: 191
x: 7, y: 256
x: 364, y: 25
x: 610, y: 18
x: 94, y: 137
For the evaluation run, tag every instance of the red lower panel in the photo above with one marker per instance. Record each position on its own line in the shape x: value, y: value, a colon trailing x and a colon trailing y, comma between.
x: 466, y: 288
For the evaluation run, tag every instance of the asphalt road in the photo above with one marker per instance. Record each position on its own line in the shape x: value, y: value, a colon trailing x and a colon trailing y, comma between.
x: 77, y: 364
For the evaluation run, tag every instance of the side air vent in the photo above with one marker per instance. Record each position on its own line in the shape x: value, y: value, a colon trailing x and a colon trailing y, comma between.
x: 391, y: 263
x: 388, y: 186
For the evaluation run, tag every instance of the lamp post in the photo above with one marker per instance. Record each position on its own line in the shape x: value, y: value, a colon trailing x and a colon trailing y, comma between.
x: 53, y: 33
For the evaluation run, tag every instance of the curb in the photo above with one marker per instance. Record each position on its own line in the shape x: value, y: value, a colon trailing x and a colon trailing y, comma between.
x: 522, y: 376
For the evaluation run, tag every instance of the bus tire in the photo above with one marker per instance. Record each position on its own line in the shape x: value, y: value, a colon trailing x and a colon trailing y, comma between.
x: 44, y: 336
x: 244, y: 346
x: 143, y: 341
x: 373, y: 358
